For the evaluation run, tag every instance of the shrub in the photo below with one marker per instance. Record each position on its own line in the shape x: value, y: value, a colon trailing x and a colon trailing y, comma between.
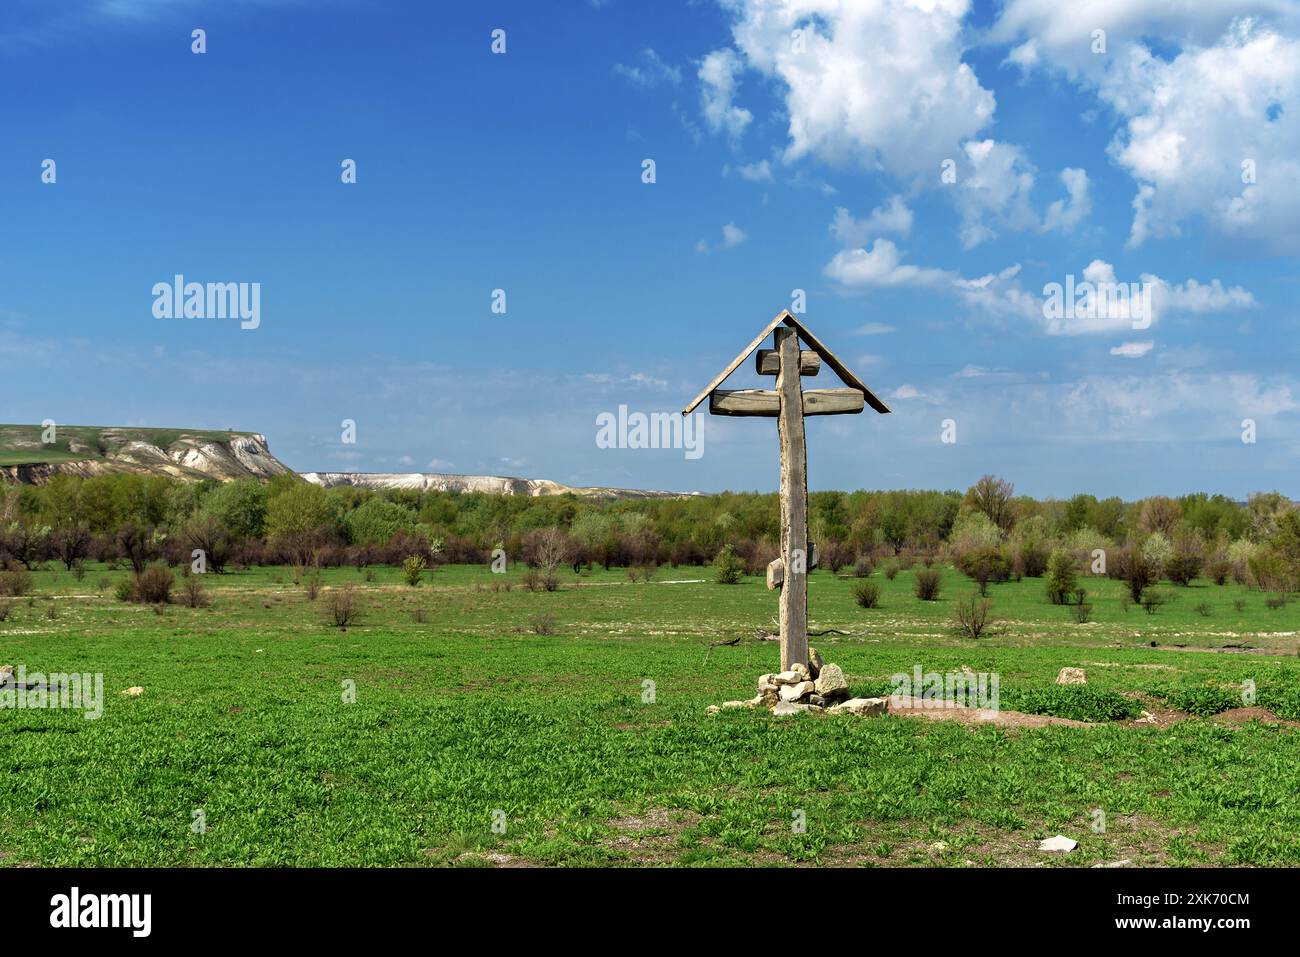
x: 891, y: 571
x: 15, y: 582
x: 1204, y: 609
x: 1274, y: 602
x: 51, y: 611
x: 1152, y: 600
x: 1135, y: 570
x: 6, y: 608
x: 1239, y: 604
x: 641, y: 573
x: 79, y: 569
x: 862, y: 568
x: 984, y: 564
x: 1082, y: 607
x: 1076, y: 702
x: 1218, y: 570
x: 192, y: 593
x: 1157, y: 551
x: 1183, y: 566
x: 153, y: 586
x: 122, y: 590
x: 413, y: 569
x: 533, y: 580
x: 970, y: 616
x: 1031, y: 559
x: 344, y: 609
x: 1060, y: 577
x: 927, y: 584
x: 542, y: 625
x: 866, y: 594
x: 728, y: 567
x: 312, y: 584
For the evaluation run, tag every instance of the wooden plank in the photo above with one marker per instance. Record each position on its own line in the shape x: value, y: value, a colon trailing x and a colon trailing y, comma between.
x: 735, y: 364
x: 766, y: 403
x: 775, y: 574
x: 745, y: 402
x: 833, y: 402
x: 833, y: 361
x: 794, y: 502
x: 768, y: 362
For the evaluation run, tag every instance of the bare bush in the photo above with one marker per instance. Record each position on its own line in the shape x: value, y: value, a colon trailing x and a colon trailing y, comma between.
x: 971, y: 616
x: 193, y: 594
x: 344, y: 608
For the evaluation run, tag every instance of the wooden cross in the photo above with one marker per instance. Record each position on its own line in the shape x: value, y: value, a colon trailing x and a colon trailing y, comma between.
x: 789, y: 404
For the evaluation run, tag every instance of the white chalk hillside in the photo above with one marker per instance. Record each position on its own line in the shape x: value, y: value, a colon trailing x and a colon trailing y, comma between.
x: 490, y: 484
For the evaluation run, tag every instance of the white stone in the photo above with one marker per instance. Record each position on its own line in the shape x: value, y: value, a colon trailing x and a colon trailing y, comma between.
x: 1060, y: 843
x: 832, y: 684
x: 795, y: 692
x: 866, y: 707
x: 1072, y: 676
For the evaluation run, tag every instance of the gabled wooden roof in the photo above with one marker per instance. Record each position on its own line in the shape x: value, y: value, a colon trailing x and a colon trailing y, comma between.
x: 812, y: 342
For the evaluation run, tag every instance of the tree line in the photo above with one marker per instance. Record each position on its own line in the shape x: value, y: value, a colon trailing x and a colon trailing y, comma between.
x: 985, y: 530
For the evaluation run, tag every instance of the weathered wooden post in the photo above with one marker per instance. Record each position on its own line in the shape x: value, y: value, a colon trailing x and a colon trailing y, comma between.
x: 794, y: 502
x: 789, y: 404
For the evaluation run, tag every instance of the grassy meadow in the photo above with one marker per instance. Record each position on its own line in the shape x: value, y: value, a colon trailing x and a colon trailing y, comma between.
x: 475, y: 740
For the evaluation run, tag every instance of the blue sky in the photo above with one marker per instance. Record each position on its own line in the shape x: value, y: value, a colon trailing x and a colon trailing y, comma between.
x: 779, y: 166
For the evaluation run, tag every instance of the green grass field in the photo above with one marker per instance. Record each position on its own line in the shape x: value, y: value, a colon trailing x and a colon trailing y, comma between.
x: 467, y: 719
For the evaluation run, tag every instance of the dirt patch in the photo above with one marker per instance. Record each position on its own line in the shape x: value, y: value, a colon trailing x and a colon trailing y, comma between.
x: 650, y: 837
x: 1245, y: 715
x: 495, y: 859
x: 1158, y: 713
x: 1221, y: 650
x: 906, y: 708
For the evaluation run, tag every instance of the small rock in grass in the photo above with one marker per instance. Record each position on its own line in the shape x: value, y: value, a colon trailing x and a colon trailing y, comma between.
x: 1072, y: 676
x: 1123, y: 863
x: 735, y: 704
x: 795, y: 692
x: 712, y: 709
x: 866, y: 707
x: 832, y: 685
x: 133, y: 692
x: 1060, y: 844
x: 6, y: 674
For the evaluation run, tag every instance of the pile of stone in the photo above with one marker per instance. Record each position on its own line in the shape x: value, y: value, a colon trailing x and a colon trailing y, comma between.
x: 814, y: 687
